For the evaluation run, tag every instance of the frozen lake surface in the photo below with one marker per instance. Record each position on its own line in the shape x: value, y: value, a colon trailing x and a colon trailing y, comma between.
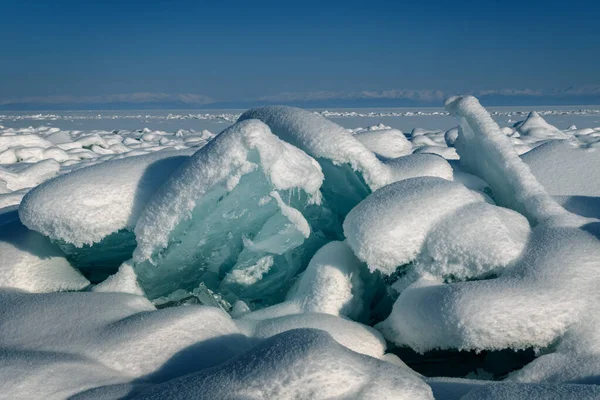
x: 277, y: 253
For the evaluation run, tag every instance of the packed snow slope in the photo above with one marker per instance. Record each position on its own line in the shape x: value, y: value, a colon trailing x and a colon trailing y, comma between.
x: 291, y: 257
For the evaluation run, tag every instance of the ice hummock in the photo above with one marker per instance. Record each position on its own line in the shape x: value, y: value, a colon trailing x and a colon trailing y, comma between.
x: 232, y: 218
x: 90, y: 213
x: 350, y: 169
x: 546, y: 300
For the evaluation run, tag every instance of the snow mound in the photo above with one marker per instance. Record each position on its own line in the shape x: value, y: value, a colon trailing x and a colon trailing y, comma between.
x: 510, y: 391
x: 30, y: 262
x: 223, y: 214
x: 300, y: 364
x: 30, y: 175
x: 566, y: 168
x: 535, y: 128
x: 385, y: 143
x: 547, y: 297
x: 415, y: 165
x: 332, y: 283
x: 389, y: 228
x: 486, y: 152
x: 475, y: 241
x: 321, y: 138
x: 87, y: 205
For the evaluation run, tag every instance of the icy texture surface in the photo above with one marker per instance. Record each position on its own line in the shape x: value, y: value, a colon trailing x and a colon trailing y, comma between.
x: 321, y: 138
x: 221, y: 219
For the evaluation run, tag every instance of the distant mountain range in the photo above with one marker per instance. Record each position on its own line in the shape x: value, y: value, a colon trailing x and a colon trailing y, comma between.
x: 391, y: 98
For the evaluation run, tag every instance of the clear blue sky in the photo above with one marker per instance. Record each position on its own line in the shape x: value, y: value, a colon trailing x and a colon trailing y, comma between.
x: 240, y: 50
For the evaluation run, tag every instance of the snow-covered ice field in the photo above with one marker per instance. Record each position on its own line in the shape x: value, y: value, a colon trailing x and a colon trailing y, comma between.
x: 280, y: 253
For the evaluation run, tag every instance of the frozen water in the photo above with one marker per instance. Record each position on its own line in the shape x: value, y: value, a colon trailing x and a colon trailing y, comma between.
x: 250, y: 222
x: 220, y: 219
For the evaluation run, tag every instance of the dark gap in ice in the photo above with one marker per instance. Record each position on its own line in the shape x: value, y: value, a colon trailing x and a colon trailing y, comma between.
x: 98, y: 261
x: 487, y: 364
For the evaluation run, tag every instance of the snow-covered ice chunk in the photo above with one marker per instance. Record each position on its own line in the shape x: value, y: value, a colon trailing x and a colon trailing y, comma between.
x: 299, y: 364
x: 321, y: 138
x: 32, y: 263
x: 385, y: 143
x: 535, y: 128
x: 230, y: 218
x: 86, y: 205
x: 30, y: 175
x: 23, y: 141
x: 486, y: 152
x: 91, y: 212
x: 546, y: 298
x: 475, y: 241
x: 415, y: 165
x: 389, y: 227
x: 333, y: 283
x: 450, y: 136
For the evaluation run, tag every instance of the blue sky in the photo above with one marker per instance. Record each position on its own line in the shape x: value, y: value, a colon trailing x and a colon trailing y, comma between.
x: 242, y: 51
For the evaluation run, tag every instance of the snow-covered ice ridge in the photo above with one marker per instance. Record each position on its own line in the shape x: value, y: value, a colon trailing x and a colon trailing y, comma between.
x: 232, y: 117
x: 291, y: 257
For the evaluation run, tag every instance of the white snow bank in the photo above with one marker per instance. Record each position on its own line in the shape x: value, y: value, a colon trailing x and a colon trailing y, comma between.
x: 385, y: 143
x: 299, y: 364
x: 22, y: 141
x: 332, y: 283
x: 535, y: 128
x: 566, y: 168
x: 86, y: 205
x: 28, y: 261
x: 322, y: 138
x: 511, y: 391
x: 122, y: 332
x: 357, y: 337
x: 388, y: 228
x: 548, y: 296
x: 486, y: 152
x: 415, y: 165
x: 29, y: 176
x: 476, y: 239
x: 98, y: 345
